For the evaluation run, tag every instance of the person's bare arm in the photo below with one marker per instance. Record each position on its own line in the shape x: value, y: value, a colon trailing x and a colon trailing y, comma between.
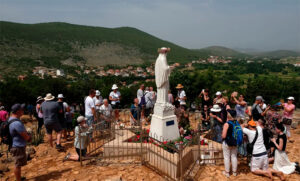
x: 280, y: 146
x: 225, y: 129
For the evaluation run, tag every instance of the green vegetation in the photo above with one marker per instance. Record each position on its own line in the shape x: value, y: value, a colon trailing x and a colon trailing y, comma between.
x: 66, y: 40
x: 222, y: 51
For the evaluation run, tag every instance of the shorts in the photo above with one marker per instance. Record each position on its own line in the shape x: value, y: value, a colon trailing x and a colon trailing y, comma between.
x: 116, y: 105
x: 83, y: 152
x: 63, y: 123
x: 53, y: 126
x: 89, y: 120
x: 19, y: 155
x: 259, y: 163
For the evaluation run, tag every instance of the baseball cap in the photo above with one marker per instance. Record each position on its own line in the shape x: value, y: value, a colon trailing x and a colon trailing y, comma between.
x: 259, y: 98
x: 252, y: 123
x: 17, y: 107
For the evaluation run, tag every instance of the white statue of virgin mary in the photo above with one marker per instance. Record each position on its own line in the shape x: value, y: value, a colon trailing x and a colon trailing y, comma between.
x: 162, y: 73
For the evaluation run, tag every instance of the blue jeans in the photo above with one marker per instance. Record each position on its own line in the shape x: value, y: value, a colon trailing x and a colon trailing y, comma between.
x: 218, y: 133
x: 90, y: 120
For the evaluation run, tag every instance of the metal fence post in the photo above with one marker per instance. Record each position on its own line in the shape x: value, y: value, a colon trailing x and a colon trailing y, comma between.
x: 180, y: 162
x: 80, y: 153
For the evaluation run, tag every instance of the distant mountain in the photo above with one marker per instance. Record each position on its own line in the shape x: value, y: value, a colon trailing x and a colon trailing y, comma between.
x: 54, y: 43
x: 221, y: 51
x: 277, y: 54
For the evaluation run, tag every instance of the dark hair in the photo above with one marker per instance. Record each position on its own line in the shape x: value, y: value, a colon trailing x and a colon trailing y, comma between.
x: 92, y: 91
x: 206, y: 90
x: 262, y: 121
x: 279, y: 126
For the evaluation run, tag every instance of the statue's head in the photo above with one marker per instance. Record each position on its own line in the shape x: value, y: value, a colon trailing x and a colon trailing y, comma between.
x: 164, y: 50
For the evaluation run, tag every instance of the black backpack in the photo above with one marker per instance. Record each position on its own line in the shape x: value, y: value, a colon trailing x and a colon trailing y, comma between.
x: 267, y: 135
x: 6, y: 138
x: 255, y: 114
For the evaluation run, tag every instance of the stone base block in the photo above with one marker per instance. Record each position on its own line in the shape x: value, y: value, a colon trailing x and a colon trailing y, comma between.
x: 164, y: 128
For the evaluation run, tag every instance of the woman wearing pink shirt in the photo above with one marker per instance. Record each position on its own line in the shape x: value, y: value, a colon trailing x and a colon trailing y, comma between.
x: 3, y: 114
x: 289, y: 108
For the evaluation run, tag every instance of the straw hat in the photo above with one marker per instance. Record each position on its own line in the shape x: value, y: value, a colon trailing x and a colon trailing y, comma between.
x: 179, y: 86
x: 114, y: 87
x: 38, y: 99
x: 49, y: 97
x: 216, y: 108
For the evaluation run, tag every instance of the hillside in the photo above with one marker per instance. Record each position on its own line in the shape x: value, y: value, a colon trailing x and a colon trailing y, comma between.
x: 277, y: 54
x: 221, y: 51
x: 93, y: 45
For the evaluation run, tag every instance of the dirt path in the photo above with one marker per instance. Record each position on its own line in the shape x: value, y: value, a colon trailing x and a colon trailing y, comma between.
x: 47, y: 165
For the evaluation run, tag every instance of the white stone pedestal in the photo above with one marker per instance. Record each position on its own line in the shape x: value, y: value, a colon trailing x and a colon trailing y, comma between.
x: 164, y: 124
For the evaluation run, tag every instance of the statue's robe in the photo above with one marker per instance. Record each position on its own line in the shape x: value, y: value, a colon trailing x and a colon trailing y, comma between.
x: 162, y: 72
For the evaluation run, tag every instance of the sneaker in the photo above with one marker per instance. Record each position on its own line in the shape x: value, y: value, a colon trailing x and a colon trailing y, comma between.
x: 226, y: 174
x: 234, y: 174
x: 59, y: 147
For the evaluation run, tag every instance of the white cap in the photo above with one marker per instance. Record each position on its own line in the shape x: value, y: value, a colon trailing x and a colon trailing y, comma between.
x: 114, y: 87
x: 60, y: 96
x: 218, y: 93
x: 291, y: 98
x: 98, y: 93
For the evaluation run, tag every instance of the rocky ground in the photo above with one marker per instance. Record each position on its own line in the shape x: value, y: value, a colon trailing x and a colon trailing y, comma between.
x: 46, y: 164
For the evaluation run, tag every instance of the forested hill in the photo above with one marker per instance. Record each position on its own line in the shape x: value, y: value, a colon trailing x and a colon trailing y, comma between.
x: 95, y: 45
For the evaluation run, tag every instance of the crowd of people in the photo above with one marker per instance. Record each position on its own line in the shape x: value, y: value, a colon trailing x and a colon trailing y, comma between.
x: 263, y: 127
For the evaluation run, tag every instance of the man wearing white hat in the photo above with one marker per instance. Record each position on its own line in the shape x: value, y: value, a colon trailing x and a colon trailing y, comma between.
x: 115, y: 97
x: 288, y: 112
x: 98, y: 100
x: 50, y: 110
x: 218, y: 99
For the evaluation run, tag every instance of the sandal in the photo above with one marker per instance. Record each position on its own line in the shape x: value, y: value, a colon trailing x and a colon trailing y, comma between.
x: 67, y: 157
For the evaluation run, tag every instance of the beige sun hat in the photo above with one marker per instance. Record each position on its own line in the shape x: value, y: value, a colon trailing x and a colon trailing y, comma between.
x: 81, y: 118
x: 179, y: 86
x: 49, y: 97
x: 216, y: 108
x: 114, y: 87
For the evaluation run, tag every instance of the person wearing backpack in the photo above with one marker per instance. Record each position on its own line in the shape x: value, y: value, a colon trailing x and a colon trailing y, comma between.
x: 256, y: 111
x: 259, y: 160
x: 232, y: 136
x: 19, y: 138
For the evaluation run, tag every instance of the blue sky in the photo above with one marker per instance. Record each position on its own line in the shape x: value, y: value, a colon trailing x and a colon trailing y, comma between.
x: 244, y: 24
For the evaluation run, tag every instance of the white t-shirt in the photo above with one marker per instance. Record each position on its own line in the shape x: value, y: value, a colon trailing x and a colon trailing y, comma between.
x: 65, y: 108
x: 106, y: 111
x: 89, y: 104
x: 149, y: 98
x: 259, y: 146
x: 98, y: 101
x: 181, y: 95
x: 115, y: 95
x: 140, y: 94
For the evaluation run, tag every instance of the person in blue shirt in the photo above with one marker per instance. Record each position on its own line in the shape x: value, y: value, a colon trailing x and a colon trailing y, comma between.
x: 19, y: 138
x: 135, y: 111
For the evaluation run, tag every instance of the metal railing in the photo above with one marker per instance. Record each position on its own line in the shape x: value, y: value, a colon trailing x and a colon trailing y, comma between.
x: 114, y: 141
